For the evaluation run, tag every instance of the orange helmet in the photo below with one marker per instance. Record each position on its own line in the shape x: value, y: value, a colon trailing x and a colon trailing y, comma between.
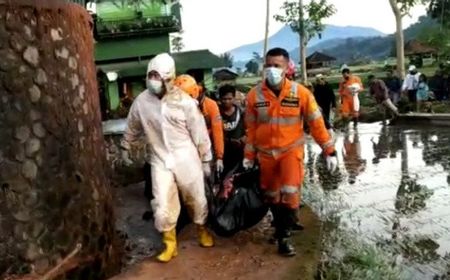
x: 188, y: 85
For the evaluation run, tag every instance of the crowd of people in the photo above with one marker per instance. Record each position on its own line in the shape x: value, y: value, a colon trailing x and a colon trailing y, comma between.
x: 189, y: 133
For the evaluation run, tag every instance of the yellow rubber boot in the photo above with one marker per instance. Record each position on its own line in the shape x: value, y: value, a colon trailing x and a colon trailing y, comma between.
x: 170, y: 240
x: 204, y: 237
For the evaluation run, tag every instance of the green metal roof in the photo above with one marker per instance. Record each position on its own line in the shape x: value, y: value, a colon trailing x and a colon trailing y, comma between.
x: 131, y: 48
x: 200, y: 59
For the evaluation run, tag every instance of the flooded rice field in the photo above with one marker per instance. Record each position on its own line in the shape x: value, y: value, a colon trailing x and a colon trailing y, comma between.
x: 392, y: 193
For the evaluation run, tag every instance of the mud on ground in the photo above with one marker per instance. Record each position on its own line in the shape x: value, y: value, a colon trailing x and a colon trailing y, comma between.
x: 248, y: 255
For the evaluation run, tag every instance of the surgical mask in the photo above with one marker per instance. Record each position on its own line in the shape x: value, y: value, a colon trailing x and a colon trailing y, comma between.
x: 274, y: 76
x: 155, y: 86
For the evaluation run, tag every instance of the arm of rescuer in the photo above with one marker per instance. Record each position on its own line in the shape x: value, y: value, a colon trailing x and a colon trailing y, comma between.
x: 216, y: 129
x: 133, y: 134
x: 312, y: 114
x: 197, y: 129
x: 134, y: 130
x: 358, y: 81
x: 250, y: 126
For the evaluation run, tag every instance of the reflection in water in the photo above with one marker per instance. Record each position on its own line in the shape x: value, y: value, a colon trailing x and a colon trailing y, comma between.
x: 401, y: 200
x: 352, y: 157
x: 411, y: 196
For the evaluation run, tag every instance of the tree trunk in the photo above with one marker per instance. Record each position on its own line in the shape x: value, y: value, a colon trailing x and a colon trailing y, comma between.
x: 400, y: 46
x: 303, y: 59
x: 399, y: 38
x: 54, y: 190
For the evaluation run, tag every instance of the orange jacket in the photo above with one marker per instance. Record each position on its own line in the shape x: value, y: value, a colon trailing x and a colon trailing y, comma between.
x: 344, y: 84
x: 213, y: 119
x: 275, y: 124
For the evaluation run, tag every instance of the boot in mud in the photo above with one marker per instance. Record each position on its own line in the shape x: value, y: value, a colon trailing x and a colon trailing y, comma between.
x: 285, y: 248
x: 295, y: 220
x: 355, y: 122
x: 297, y: 226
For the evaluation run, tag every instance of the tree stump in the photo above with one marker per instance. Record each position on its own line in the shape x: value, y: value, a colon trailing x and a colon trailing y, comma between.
x: 54, y: 191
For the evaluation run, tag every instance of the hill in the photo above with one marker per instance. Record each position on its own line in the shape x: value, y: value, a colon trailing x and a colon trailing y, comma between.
x: 374, y: 48
x: 287, y: 39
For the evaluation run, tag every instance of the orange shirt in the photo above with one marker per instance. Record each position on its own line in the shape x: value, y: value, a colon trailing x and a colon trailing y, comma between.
x: 213, y: 119
x: 275, y: 124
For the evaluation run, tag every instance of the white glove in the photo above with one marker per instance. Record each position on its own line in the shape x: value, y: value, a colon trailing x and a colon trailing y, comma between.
x: 331, y: 163
x: 206, y: 166
x: 248, y: 164
x: 219, y: 166
x: 126, y: 158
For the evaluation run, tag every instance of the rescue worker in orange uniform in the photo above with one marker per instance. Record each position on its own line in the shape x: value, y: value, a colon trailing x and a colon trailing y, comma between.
x: 210, y: 111
x: 349, y: 88
x: 275, y: 112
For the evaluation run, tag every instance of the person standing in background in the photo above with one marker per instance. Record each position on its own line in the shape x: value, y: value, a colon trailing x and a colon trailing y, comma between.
x: 349, y: 89
x: 326, y: 99
x: 234, y: 128
x: 394, y: 85
x: 411, y: 83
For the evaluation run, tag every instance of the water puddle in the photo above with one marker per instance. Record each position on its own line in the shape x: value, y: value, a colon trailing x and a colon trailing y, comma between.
x: 392, y: 191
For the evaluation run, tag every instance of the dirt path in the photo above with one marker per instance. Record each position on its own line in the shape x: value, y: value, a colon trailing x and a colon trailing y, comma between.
x: 247, y: 255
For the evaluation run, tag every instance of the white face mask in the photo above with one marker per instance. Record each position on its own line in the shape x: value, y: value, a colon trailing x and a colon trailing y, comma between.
x: 274, y: 76
x: 155, y: 86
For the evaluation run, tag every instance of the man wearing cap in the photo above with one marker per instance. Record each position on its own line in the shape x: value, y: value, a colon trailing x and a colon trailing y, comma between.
x: 325, y: 98
x: 411, y: 83
x: 180, y: 151
x: 349, y: 88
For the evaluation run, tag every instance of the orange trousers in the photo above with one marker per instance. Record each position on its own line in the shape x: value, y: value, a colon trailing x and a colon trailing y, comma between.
x: 282, y: 177
x: 347, y: 108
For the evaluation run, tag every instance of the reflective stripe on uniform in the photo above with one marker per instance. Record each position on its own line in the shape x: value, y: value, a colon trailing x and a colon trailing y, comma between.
x: 271, y: 194
x: 327, y: 145
x: 314, y: 115
x: 250, y: 148
x: 263, y: 114
x: 293, y: 90
x: 279, y: 120
x: 286, y: 189
x: 278, y: 151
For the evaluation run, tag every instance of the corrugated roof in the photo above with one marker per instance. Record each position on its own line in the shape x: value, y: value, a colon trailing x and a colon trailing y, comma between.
x: 319, y: 57
x: 415, y: 47
x: 131, y: 48
x: 199, y: 59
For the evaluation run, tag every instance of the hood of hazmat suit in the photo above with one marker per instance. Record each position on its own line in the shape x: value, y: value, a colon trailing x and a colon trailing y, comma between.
x: 175, y: 132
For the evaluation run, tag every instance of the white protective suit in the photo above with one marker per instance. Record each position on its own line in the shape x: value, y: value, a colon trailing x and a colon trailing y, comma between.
x: 176, y: 134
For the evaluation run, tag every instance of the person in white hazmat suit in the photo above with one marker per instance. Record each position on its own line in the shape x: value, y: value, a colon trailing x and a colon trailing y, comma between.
x: 180, y: 151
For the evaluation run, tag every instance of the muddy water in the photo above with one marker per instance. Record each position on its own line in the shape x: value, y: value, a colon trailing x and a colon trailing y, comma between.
x: 393, y: 190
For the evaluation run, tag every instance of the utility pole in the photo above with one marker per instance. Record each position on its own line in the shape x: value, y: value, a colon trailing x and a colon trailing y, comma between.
x: 302, y: 42
x: 266, y: 35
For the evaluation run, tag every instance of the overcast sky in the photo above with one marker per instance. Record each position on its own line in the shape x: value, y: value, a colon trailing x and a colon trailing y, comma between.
x: 221, y: 25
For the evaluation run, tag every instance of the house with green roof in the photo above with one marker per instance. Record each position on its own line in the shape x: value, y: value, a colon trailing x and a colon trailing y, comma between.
x: 128, y: 33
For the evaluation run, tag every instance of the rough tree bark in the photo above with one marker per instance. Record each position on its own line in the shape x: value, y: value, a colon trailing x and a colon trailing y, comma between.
x: 399, y: 38
x: 54, y: 192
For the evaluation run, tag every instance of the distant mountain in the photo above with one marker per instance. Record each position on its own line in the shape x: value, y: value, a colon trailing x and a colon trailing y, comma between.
x: 289, y: 40
x: 372, y: 48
